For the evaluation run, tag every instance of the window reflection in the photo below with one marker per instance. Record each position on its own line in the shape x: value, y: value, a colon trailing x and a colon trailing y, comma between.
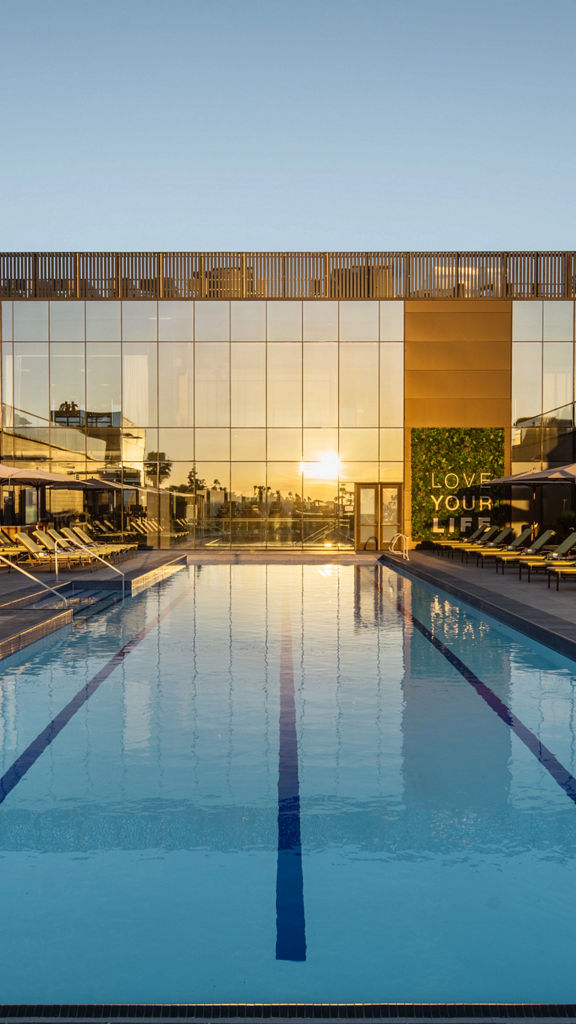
x: 558, y: 321
x: 6, y: 321
x: 284, y: 385
x: 67, y: 376
x: 103, y: 376
x: 67, y: 321
x: 392, y: 384
x: 284, y: 321
x: 285, y: 504
x: 359, y: 384
x: 320, y: 385
x: 358, y: 321
x: 30, y: 321
x: 526, y: 321
x: 320, y: 320
x: 391, y: 321
x: 320, y: 445
x: 212, y: 321
x: 103, y: 321
x: 178, y: 444
x: 248, y: 385
x: 526, y: 380
x: 212, y: 385
x: 248, y: 503
x: 284, y: 444
x: 391, y: 445
x: 212, y: 444
x: 139, y: 321
x: 358, y: 445
x: 140, y: 404
x: 176, y: 384
x: 8, y: 379
x: 248, y: 444
x: 248, y: 321
x: 558, y: 374
x: 392, y: 472
x: 175, y: 321
x: 31, y: 378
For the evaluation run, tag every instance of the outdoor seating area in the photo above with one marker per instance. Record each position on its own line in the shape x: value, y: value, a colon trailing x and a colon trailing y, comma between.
x: 534, y: 551
x: 67, y: 549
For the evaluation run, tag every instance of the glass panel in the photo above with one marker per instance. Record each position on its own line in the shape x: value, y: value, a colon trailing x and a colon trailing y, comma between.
x: 183, y: 475
x: 284, y: 444
x: 140, y: 394
x: 320, y: 321
x: 138, y: 445
x: 212, y: 444
x: 284, y: 321
x: 176, y: 384
x: 212, y: 385
x: 391, y: 445
x: 284, y: 385
x: 321, y: 446
x: 30, y: 321
x: 392, y: 321
x: 358, y: 444
x: 367, y: 510
x: 320, y: 384
x: 358, y: 472
x: 285, y: 507
x: 67, y: 321
x: 67, y: 441
x: 175, y: 321
x: 32, y: 443
x: 557, y: 386
x: 248, y: 321
x: 139, y: 321
x: 31, y: 378
x: 392, y: 384
x: 526, y: 321
x: 359, y: 384
x: 358, y: 321
x: 526, y: 380
x: 320, y: 512
x: 248, y: 501
x: 213, y: 504
x: 7, y: 377
x: 67, y: 378
x: 178, y: 444
x: 248, y: 385
x: 391, y: 472
x: 248, y: 444
x: 102, y: 321
x: 103, y: 444
x: 103, y: 376
x: 212, y: 321
x: 558, y: 321
x: 6, y: 321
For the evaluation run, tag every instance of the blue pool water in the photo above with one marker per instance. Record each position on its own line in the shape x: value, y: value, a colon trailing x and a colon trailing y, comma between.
x: 288, y: 783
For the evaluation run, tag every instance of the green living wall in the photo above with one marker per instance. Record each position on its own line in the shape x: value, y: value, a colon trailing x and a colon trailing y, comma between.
x: 448, y: 468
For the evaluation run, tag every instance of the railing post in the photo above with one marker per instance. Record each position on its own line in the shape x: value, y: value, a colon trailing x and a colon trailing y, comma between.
x: 77, y: 275
x: 326, y: 275
x: 118, y: 276
x: 160, y: 275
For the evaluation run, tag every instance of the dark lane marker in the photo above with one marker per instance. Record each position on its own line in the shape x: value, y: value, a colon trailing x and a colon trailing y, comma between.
x: 547, y: 759
x: 24, y: 762
x: 290, y: 923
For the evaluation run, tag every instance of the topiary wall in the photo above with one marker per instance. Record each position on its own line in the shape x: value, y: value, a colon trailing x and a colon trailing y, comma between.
x: 448, y: 467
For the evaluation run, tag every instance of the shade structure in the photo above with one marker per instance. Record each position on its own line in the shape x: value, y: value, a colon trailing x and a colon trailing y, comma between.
x: 558, y: 475
x: 15, y: 475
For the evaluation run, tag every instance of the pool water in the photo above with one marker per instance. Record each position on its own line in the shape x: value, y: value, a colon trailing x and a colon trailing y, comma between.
x: 264, y: 783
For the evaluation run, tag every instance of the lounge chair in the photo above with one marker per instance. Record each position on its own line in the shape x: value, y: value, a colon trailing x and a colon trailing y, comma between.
x: 54, y: 548
x: 495, y: 537
x: 541, y: 563
x: 79, y: 537
x: 445, y: 544
x: 485, y: 554
x: 505, y: 558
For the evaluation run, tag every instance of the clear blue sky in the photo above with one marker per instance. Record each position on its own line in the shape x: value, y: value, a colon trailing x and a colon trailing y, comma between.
x: 288, y: 124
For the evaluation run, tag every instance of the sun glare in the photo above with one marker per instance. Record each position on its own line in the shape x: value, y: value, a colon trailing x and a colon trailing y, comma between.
x: 326, y: 468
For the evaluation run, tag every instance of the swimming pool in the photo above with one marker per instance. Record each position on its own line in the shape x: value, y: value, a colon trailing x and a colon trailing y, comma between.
x: 288, y: 784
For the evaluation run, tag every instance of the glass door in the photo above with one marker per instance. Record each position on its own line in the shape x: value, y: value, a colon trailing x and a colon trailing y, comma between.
x: 377, y: 515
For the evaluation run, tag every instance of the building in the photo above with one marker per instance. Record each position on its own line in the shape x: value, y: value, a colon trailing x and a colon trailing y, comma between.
x: 301, y: 400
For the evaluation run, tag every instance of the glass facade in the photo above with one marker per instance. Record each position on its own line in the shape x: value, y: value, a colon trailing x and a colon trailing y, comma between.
x: 542, y: 384
x: 214, y: 423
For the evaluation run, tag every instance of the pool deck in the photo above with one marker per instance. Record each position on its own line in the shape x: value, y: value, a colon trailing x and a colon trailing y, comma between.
x: 545, y: 615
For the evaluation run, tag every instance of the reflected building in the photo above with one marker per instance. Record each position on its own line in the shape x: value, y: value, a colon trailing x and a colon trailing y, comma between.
x: 267, y: 400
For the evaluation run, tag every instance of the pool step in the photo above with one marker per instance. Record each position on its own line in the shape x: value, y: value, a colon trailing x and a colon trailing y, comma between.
x: 83, y: 603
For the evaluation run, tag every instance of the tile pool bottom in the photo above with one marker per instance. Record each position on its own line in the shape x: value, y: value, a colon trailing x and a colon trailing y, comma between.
x: 288, y: 784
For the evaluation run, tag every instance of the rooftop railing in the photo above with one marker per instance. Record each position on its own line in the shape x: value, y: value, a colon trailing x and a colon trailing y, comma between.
x: 288, y: 275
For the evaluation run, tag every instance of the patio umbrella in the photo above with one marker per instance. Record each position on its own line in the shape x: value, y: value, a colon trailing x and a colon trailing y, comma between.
x: 558, y: 475
x: 15, y: 475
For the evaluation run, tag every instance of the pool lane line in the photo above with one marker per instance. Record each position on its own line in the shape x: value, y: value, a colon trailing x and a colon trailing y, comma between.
x: 290, y: 919
x: 547, y: 759
x: 36, y: 748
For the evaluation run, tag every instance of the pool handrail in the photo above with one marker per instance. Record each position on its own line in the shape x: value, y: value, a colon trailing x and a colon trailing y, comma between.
x: 31, y: 576
x: 104, y: 561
